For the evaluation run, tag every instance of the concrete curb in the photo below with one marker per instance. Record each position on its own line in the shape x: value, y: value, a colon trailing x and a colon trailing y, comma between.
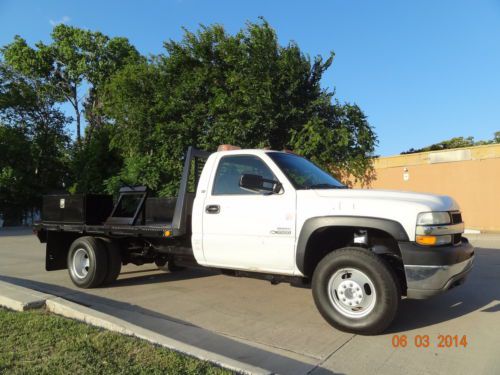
x: 21, y: 299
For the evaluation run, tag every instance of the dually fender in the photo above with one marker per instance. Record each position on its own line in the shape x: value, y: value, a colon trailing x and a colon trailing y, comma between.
x: 394, y: 228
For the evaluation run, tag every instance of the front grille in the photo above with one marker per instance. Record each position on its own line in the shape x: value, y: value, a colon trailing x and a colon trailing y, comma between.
x: 456, y: 217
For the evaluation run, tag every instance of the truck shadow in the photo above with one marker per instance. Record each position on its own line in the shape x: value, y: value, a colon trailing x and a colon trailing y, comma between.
x: 180, y: 330
x: 481, y: 289
x: 153, y: 275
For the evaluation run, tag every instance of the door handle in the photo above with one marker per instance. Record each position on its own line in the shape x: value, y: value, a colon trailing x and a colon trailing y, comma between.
x: 212, y: 209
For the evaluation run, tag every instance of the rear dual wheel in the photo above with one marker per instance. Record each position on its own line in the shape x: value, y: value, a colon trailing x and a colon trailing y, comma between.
x: 114, y: 261
x: 93, y: 262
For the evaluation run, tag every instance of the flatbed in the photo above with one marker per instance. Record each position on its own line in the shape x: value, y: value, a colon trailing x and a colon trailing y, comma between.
x: 150, y: 230
x: 164, y: 224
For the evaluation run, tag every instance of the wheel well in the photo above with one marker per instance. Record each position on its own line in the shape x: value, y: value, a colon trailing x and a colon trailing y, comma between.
x: 327, y: 239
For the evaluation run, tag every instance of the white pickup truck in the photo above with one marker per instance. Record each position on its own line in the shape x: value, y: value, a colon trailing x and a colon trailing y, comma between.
x: 271, y: 215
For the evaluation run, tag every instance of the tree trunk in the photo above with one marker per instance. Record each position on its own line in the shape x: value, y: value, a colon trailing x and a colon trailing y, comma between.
x: 78, y: 116
x: 93, y: 117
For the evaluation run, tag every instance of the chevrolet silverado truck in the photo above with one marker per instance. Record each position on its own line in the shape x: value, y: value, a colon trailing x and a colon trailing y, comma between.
x: 271, y: 215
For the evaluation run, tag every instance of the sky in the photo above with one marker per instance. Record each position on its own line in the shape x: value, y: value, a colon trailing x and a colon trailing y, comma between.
x: 422, y: 71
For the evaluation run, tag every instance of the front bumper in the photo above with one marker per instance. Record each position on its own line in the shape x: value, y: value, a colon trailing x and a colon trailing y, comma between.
x: 433, y: 270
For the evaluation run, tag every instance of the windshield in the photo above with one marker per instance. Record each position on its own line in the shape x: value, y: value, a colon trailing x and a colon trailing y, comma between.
x: 302, y: 173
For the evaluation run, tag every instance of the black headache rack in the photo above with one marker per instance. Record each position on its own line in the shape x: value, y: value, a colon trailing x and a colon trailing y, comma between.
x: 133, y: 214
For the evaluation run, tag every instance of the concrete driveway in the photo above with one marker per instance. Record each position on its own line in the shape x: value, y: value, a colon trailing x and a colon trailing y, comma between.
x: 278, y: 327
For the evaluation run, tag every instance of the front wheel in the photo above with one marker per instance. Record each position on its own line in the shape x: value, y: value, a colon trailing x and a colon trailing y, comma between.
x: 356, y: 291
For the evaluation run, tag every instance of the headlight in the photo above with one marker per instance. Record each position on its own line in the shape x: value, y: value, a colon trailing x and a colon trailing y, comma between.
x: 433, y: 229
x: 433, y: 218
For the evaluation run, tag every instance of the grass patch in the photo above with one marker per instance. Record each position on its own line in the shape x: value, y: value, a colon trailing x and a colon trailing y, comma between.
x: 37, y: 342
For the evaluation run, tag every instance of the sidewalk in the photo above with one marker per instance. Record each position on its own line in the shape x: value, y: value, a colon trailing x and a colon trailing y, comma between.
x: 18, y: 298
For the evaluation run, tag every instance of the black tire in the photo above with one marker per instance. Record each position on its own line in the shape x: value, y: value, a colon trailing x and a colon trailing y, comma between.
x: 167, y: 265
x: 114, y: 260
x: 93, y: 252
x: 174, y: 267
x: 162, y: 264
x: 386, y: 297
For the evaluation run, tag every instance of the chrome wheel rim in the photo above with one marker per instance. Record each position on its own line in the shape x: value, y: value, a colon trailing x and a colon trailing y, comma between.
x: 352, y: 293
x: 81, y: 263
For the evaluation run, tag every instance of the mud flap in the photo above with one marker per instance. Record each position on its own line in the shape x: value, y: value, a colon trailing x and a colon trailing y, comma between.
x: 57, y: 248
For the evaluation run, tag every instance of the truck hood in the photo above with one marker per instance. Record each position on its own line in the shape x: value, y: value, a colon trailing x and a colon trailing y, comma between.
x: 399, y: 206
x: 431, y: 202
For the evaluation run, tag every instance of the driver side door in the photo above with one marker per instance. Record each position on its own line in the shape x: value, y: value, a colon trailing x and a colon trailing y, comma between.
x: 244, y: 229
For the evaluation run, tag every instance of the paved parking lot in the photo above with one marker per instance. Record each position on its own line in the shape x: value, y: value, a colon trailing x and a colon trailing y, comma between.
x: 278, y: 327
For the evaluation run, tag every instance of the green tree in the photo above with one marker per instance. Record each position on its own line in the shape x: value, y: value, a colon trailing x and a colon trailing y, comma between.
x: 496, y: 137
x: 212, y: 88
x: 35, y: 143
x: 456, y: 142
x: 17, y: 175
x: 95, y: 162
x: 73, y: 68
x: 341, y: 141
x: 206, y: 89
x: 76, y: 64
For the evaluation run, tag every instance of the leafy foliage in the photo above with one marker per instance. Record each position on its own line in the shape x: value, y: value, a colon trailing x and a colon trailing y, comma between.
x: 77, y: 58
x: 73, y: 69
x: 141, y: 113
x: 213, y: 88
x: 456, y: 142
x: 94, y: 162
x: 17, y: 190
x: 33, y: 143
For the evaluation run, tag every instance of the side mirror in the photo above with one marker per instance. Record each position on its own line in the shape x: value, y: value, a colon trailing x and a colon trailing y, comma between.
x: 258, y: 183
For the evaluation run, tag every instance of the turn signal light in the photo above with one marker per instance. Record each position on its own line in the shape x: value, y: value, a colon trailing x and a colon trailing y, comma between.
x: 426, y: 240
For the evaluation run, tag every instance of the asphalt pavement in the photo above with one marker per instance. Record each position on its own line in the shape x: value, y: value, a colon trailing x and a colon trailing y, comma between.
x: 278, y: 327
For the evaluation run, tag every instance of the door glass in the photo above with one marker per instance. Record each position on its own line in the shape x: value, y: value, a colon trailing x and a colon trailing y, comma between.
x: 230, y: 169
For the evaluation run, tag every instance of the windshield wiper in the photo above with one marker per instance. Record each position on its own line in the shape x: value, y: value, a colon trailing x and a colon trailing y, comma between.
x: 325, y: 186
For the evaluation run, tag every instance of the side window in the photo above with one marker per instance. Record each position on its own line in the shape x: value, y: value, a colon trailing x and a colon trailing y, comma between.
x: 230, y: 169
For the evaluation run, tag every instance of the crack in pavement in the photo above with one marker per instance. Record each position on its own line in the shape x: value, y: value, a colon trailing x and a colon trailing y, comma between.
x: 330, y: 355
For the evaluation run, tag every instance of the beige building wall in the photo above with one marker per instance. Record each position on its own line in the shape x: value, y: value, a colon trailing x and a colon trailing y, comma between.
x: 470, y: 175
